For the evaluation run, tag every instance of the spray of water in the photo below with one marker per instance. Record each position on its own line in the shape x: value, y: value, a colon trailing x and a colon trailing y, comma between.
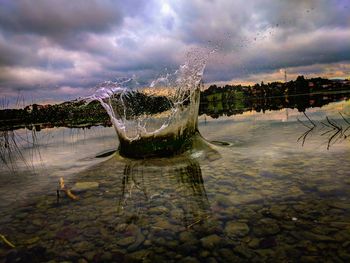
x: 158, y: 118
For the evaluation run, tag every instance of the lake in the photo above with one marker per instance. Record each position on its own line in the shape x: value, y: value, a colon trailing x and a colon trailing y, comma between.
x: 272, y: 186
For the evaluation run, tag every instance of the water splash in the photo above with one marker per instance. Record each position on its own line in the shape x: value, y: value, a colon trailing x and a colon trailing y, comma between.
x: 159, y: 118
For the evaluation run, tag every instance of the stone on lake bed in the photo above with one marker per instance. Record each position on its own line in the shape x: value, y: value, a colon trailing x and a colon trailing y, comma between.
x: 126, y: 241
x: 138, y: 256
x: 236, y: 229
x: 317, y: 237
x: 158, y: 210
x: 266, y: 227
x: 82, y: 186
x: 164, y: 224
x: 32, y: 240
x: 239, y: 199
x: 340, y: 205
x: 329, y: 189
x: 188, y: 238
x: 67, y: 233
x: 210, y: 241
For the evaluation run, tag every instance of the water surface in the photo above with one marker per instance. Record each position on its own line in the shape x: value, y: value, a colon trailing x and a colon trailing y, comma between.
x: 255, y: 193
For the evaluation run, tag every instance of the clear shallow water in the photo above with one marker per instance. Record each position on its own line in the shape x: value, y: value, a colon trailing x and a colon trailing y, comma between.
x: 261, y: 197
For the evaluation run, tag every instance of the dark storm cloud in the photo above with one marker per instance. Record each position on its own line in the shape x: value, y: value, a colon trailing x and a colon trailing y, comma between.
x: 300, y: 33
x: 67, y: 46
x: 52, y: 18
x: 320, y: 47
x: 14, y: 53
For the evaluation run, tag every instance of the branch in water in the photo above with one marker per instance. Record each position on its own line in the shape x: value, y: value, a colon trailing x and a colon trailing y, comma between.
x: 68, y: 192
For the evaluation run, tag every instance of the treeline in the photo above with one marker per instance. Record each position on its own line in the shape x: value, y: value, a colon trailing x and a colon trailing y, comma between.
x: 79, y: 113
x: 299, y: 94
x: 215, y: 101
x: 68, y: 114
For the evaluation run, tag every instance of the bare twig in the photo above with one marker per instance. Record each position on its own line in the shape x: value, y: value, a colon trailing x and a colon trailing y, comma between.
x: 6, y: 241
x: 335, y: 131
x: 344, y: 118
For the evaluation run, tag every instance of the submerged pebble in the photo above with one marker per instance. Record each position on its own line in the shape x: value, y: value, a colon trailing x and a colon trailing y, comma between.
x: 236, y: 229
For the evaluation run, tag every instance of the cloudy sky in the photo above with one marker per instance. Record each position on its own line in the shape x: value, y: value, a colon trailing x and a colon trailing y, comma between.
x: 54, y: 50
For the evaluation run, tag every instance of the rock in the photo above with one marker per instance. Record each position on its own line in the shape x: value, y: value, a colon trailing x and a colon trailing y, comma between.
x: 158, y: 210
x: 83, y: 186
x: 244, y: 251
x: 126, y: 241
x: 32, y: 240
x: 37, y: 222
x: 236, y: 229
x: 118, y: 256
x: 186, y: 249
x: 188, y: 238
x: 265, y: 254
x: 329, y: 189
x: 211, y: 260
x: 177, y: 214
x: 121, y: 227
x: 106, y: 257
x: 91, y: 232
x: 277, y: 211
x: 247, y: 213
x: 172, y: 244
x: 309, y: 259
x: 268, y: 242
x: 89, y: 255
x: 345, y: 255
x: 266, y: 227
x: 67, y: 233
x: 138, y: 256
x: 317, y: 237
x: 223, y: 201
x: 267, y: 174
x: 346, y: 244
x: 138, y: 241
x: 132, y: 230
x: 164, y: 224
x: 189, y: 260
x: 147, y: 243
x: 340, y: 205
x: 240, y: 199
x: 294, y: 191
x: 34, y: 254
x: 211, y: 241
x: 204, y: 253
x: 254, y: 243
x: 82, y: 246
x: 228, y: 256
x: 323, y: 230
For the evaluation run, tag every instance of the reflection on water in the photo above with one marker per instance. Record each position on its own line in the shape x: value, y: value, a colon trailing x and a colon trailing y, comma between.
x: 255, y: 195
x: 177, y: 181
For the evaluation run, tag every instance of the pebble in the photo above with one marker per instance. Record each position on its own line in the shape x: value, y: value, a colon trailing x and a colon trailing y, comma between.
x: 317, y: 237
x: 211, y: 241
x: 244, y: 251
x: 82, y: 186
x: 265, y: 227
x: 188, y: 238
x: 189, y: 260
x: 236, y: 229
x: 126, y: 241
x: 82, y: 246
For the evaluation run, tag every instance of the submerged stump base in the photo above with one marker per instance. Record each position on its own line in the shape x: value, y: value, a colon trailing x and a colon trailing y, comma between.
x: 157, y: 146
